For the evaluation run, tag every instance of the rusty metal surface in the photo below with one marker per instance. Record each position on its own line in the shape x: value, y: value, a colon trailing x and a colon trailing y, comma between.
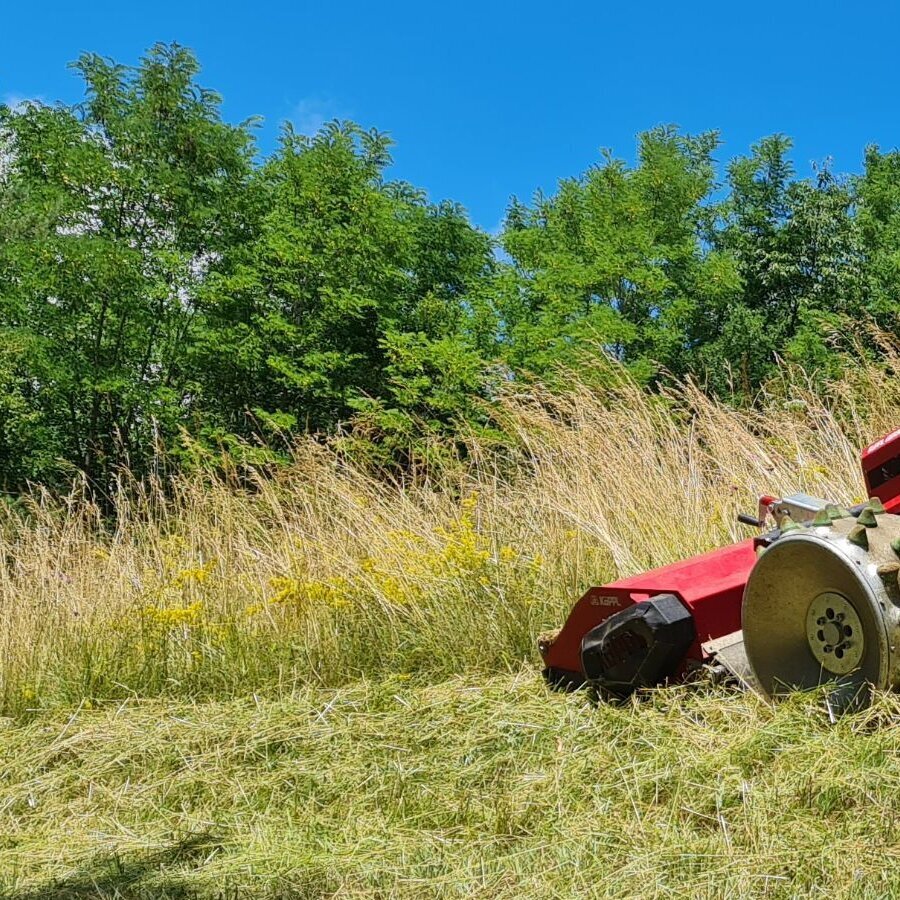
x: 729, y: 652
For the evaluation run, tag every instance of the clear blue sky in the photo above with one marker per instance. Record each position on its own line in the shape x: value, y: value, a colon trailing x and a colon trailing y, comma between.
x: 487, y: 99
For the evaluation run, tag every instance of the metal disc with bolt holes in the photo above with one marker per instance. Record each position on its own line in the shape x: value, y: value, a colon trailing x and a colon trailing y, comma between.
x: 835, y: 633
x: 822, y: 605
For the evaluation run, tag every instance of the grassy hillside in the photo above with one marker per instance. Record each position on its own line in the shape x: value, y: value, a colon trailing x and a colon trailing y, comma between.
x: 321, y: 684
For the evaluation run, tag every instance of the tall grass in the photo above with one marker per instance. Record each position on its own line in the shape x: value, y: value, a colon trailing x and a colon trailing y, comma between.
x: 324, y: 572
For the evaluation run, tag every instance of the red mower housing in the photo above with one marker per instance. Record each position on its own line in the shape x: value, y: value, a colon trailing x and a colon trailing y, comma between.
x: 881, y: 469
x: 604, y: 640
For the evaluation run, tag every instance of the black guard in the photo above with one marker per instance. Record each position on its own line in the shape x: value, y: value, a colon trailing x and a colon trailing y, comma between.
x: 639, y: 646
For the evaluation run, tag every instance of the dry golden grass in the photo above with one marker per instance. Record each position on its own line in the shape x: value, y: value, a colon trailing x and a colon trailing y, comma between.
x: 324, y: 573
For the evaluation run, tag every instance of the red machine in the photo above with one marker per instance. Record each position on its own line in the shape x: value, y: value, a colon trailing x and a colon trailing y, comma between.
x: 664, y: 623
x: 881, y: 469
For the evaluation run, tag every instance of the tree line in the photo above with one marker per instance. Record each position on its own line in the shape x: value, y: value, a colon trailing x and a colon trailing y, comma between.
x: 163, y: 287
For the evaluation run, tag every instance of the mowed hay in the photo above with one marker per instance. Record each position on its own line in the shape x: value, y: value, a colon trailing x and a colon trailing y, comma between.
x: 474, y: 787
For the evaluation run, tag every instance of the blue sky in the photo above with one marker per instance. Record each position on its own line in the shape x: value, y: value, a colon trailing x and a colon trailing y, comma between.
x: 486, y: 100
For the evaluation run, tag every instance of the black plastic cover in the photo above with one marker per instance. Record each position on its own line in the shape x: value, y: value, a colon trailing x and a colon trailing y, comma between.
x: 639, y: 646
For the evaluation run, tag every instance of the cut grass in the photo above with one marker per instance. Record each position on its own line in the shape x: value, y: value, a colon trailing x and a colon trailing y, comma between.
x: 475, y: 788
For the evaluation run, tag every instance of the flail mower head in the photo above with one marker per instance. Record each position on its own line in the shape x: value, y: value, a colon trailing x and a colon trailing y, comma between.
x: 814, y: 600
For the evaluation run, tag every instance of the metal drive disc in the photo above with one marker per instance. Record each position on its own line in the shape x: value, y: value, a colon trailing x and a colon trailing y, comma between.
x: 814, y: 612
x: 835, y: 633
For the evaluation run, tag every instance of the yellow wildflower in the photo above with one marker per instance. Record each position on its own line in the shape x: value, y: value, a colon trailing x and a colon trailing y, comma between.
x: 173, y: 616
x: 195, y: 575
x: 508, y: 554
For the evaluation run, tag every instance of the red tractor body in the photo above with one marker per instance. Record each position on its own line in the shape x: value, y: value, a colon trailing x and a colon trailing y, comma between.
x: 881, y: 469
x: 711, y: 587
x: 602, y: 641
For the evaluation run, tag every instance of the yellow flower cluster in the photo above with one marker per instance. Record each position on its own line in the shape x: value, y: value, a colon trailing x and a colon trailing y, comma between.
x: 176, y: 602
x: 196, y: 575
x: 394, y: 588
x: 508, y: 554
x: 413, y: 568
x: 287, y: 590
x: 301, y: 593
x: 168, y: 618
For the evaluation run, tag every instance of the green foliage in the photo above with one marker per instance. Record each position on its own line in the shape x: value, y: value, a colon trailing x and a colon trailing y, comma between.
x: 616, y: 258
x: 434, y: 386
x: 112, y: 214
x: 347, y: 275
x: 164, y: 291
x: 797, y: 251
x: 878, y: 221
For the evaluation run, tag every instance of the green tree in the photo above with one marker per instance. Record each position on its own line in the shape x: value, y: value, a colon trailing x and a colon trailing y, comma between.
x: 112, y: 214
x: 351, y: 284
x: 796, y: 248
x: 615, y: 259
x: 878, y: 199
x: 155, y: 278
